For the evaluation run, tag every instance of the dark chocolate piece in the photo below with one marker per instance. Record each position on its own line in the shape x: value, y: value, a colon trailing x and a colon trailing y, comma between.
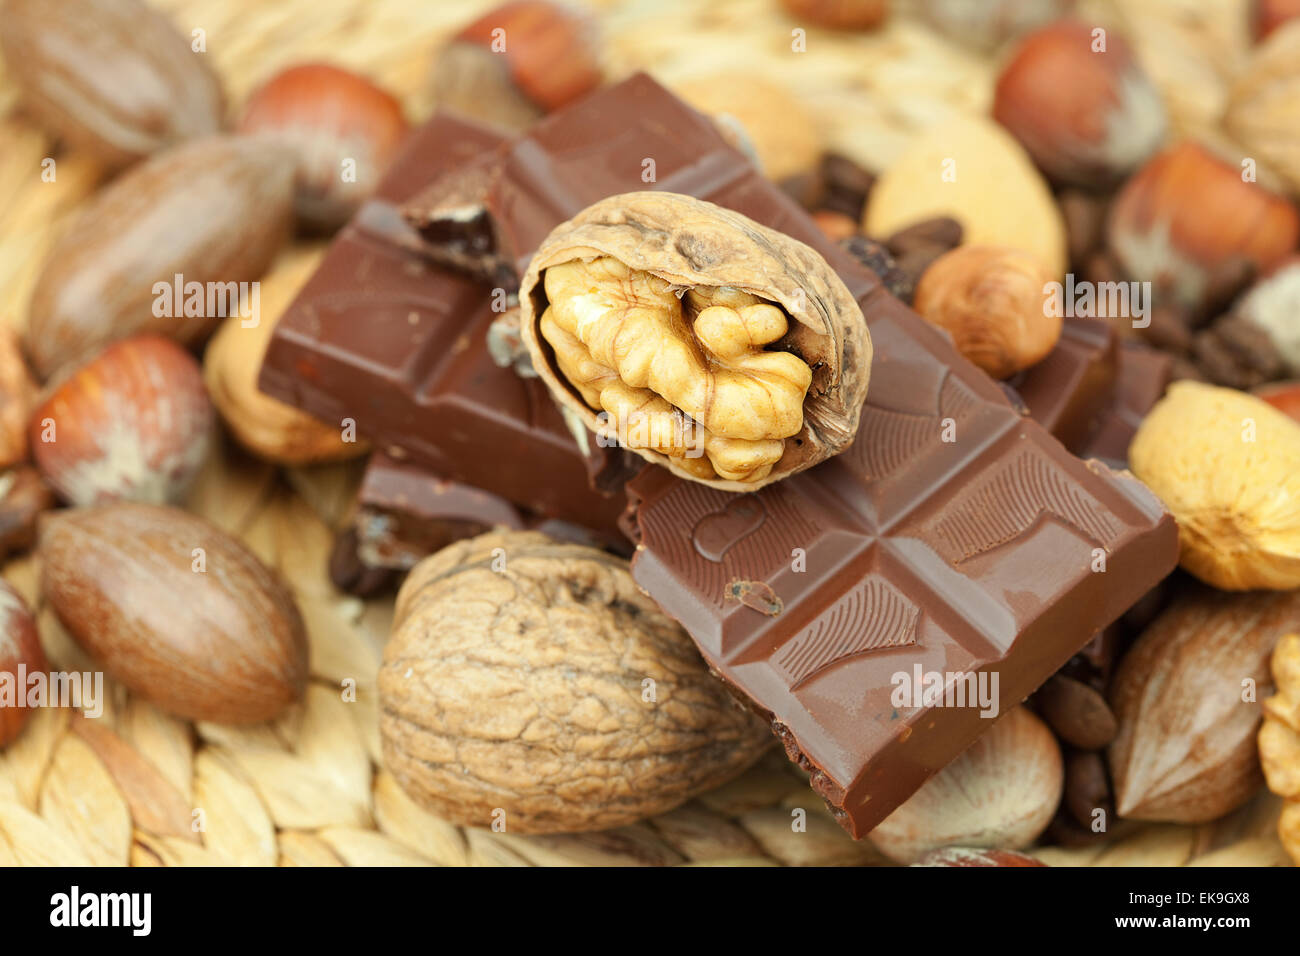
x: 383, y: 336
x: 1069, y: 391
x: 405, y: 514
x: 351, y: 574
x: 1143, y: 376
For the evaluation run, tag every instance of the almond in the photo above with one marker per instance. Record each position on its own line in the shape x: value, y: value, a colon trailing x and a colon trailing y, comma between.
x: 213, y: 212
x: 1001, y: 792
x: 1185, y: 751
x: 175, y: 609
x: 116, y: 79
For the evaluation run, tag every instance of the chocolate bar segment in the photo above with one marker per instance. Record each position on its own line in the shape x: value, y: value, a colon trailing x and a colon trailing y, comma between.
x: 382, y: 336
x: 1069, y: 391
x: 405, y: 513
x: 908, y: 554
x: 491, y: 216
x: 1144, y: 374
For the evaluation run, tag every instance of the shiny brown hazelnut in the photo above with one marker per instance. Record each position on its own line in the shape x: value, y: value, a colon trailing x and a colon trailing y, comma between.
x: 991, y: 300
x: 343, y: 129
x: 1087, y: 113
x: 1267, y: 15
x: 518, y: 62
x: 1186, y: 213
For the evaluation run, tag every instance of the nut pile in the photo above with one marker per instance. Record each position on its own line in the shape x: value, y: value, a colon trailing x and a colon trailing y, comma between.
x: 165, y: 523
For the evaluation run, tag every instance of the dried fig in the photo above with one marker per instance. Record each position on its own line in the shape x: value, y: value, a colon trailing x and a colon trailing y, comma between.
x: 728, y: 352
x: 528, y: 683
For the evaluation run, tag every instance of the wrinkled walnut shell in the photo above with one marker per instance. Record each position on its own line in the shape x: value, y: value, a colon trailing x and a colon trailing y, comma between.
x: 516, y: 690
x: 695, y: 245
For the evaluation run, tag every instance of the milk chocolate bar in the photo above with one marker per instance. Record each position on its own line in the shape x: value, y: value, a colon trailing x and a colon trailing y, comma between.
x: 405, y: 513
x: 1070, y: 391
x: 1143, y: 375
x: 382, y: 336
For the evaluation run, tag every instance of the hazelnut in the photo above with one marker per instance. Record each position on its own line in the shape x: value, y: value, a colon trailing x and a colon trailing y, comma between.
x: 518, y: 62
x: 19, y: 647
x: 990, y: 299
x: 24, y: 497
x: 779, y: 126
x: 1001, y: 792
x: 835, y: 225
x: 1284, y: 396
x: 839, y: 14
x: 1267, y: 15
x: 1186, y: 213
x: 987, y: 24
x: 343, y: 130
x: 1227, y: 466
x: 176, y: 609
x: 1263, y: 111
x: 974, y: 171
x: 18, y: 393
x: 698, y: 339
x: 132, y: 424
x: 1087, y: 117
x: 1273, y: 304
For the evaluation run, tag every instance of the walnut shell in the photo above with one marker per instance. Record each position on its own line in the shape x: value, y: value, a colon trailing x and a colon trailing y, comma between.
x: 517, y: 679
x: 706, y: 255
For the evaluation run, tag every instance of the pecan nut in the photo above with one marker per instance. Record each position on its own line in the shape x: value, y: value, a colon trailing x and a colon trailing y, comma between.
x: 701, y: 340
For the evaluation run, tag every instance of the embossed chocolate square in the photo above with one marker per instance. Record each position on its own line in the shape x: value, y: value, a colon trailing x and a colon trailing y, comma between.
x: 954, y: 537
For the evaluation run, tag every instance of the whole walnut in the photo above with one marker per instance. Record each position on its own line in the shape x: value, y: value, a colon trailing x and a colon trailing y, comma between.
x: 529, y: 683
x: 697, y: 338
x: 991, y: 301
